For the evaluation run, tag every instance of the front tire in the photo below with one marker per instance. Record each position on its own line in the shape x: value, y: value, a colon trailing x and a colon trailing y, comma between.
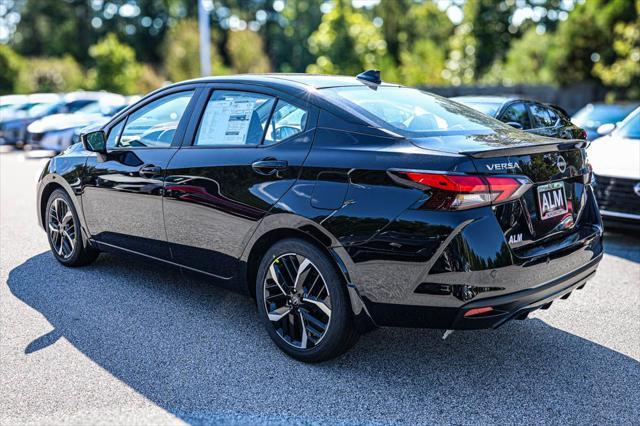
x: 303, y: 302
x: 64, y: 233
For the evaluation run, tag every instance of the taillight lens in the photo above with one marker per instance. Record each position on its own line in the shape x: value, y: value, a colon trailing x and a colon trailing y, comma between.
x: 458, y: 192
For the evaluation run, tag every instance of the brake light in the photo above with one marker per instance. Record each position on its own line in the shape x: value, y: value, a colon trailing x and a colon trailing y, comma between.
x: 458, y: 192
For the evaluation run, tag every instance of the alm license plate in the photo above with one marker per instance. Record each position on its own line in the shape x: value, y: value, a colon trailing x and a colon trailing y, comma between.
x: 552, y: 200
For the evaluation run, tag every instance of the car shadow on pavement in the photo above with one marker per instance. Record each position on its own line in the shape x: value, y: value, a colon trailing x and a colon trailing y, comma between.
x: 198, y: 352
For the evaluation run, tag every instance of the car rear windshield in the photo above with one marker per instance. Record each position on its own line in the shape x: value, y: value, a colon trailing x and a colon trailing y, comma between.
x: 411, y: 112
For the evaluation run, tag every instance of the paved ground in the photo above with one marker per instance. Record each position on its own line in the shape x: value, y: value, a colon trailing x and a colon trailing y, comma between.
x: 118, y: 342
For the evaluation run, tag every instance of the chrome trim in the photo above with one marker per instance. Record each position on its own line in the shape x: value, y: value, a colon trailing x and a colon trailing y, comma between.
x: 620, y: 215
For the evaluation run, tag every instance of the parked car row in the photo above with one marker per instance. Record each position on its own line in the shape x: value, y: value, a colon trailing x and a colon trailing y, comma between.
x: 52, y: 121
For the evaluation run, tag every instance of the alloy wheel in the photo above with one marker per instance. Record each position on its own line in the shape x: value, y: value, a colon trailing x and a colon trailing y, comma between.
x: 62, y: 228
x: 297, y: 300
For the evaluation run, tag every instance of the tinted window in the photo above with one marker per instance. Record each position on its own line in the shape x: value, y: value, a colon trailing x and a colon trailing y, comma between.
x: 287, y: 120
x: 114, y: 134
x: 234, y: 118
x: 155, y: 124
x: 542, y: 116
x: 410, y: 111
x: 517, y: 113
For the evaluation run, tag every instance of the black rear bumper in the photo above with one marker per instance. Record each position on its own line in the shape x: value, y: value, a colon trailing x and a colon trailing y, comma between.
x: 505, y: 307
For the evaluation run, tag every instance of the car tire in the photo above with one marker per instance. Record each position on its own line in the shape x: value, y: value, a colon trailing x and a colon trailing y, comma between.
x: 64, y: 232
x: 320, y: 299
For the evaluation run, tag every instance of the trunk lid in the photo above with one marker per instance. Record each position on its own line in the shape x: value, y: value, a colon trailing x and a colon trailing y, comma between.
x: 557, y: 168
x: 553, y: 205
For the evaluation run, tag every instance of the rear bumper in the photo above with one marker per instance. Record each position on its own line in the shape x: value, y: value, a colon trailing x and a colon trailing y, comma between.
x: 505, y: 307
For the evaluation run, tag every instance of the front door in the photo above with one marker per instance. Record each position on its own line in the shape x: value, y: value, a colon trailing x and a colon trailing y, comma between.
x: 122, y: 197
x: 247, y: 151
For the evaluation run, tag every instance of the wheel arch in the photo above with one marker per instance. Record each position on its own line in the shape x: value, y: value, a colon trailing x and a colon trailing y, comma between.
x: 311, y: 234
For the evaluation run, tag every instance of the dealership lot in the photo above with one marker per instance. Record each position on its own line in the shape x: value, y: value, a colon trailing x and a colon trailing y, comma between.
x: 123, y: 342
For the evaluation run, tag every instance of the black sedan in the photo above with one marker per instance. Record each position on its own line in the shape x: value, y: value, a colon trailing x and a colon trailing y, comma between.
x: 530, y: 116
x: 339, y: 203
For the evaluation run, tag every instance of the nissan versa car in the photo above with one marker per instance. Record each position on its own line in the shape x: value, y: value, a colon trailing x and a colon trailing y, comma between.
x: 339, y: 203
x: 530, y: 116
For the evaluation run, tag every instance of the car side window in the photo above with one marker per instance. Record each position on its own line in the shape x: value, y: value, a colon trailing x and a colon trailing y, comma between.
x: 114, y: 134
x: 287, y: 120
x: 542, y: 116
x: 155, y: 124
x: 234, y: 118
x: 517, y: 113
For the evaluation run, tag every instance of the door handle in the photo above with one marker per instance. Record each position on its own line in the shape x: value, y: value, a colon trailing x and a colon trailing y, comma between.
x: 149, y: 170
x: 269, y: 166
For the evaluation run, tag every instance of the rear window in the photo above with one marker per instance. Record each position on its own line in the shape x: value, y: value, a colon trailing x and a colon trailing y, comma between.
x: 411, y: 112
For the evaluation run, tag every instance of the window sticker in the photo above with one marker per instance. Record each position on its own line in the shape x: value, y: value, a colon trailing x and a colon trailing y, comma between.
x: 226, y: 122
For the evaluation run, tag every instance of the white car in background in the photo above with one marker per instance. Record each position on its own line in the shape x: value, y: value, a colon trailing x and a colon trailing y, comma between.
x: 56, y: 132
x: 615, y: 158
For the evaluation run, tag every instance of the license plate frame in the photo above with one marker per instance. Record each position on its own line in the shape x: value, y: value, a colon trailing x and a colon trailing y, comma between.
x: 550, y: 196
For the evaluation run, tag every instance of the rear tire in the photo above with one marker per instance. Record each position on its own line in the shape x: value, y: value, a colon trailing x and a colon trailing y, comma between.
x: 64, y: 232
x: 303, y: 303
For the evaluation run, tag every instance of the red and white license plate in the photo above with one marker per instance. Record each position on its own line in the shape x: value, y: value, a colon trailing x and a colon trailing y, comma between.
x: 552, y: 200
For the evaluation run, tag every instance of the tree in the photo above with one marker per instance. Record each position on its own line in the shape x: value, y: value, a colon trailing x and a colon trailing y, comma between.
x: 182, y: 58
x: 423, y: 64
x: 587, y: 37
x: 246, y: 52
x: 527, y: 61
x: 624, y: 71
x: 50, y: 75
x: 116, y: 68
x: 346, y: 42
x: 286, y: 34
x: 10, y: 66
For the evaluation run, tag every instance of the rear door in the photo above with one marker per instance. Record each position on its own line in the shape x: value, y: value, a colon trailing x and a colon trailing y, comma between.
x: 246, y: 148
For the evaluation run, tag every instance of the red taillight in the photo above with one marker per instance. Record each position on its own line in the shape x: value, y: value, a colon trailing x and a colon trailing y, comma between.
x: 457, y: 192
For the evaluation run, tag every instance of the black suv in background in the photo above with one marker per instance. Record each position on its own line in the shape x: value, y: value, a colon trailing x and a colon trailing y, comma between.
x: 530, y: 116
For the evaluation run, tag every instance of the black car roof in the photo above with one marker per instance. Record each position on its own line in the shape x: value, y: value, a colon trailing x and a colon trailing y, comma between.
x: 316, y: 81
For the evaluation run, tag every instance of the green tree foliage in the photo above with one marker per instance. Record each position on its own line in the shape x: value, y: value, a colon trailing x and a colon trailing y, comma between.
x: 423, y: 64
x: 50, y: 75
x: 346, y: 42
x: 59, y: 27
x: 527, y: 62
x: 10, y: 66
x: 483, y: 37
x: 246, y: 52
x: 116, y: 68
x: 182, y: 57
x: 624, y: 72
x: 587, y: 37
x: 287, y: 33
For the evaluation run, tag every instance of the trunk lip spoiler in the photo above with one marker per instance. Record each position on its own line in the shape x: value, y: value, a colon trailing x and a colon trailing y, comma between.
x: 529, y: 149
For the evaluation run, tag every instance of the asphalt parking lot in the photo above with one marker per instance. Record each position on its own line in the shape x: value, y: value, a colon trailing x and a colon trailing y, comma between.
x: 128, y: 343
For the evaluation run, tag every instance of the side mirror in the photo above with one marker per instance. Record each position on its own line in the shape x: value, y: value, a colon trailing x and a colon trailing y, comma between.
x: 605, y: 129
x: 515, y: 125
x: 94, y: 141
